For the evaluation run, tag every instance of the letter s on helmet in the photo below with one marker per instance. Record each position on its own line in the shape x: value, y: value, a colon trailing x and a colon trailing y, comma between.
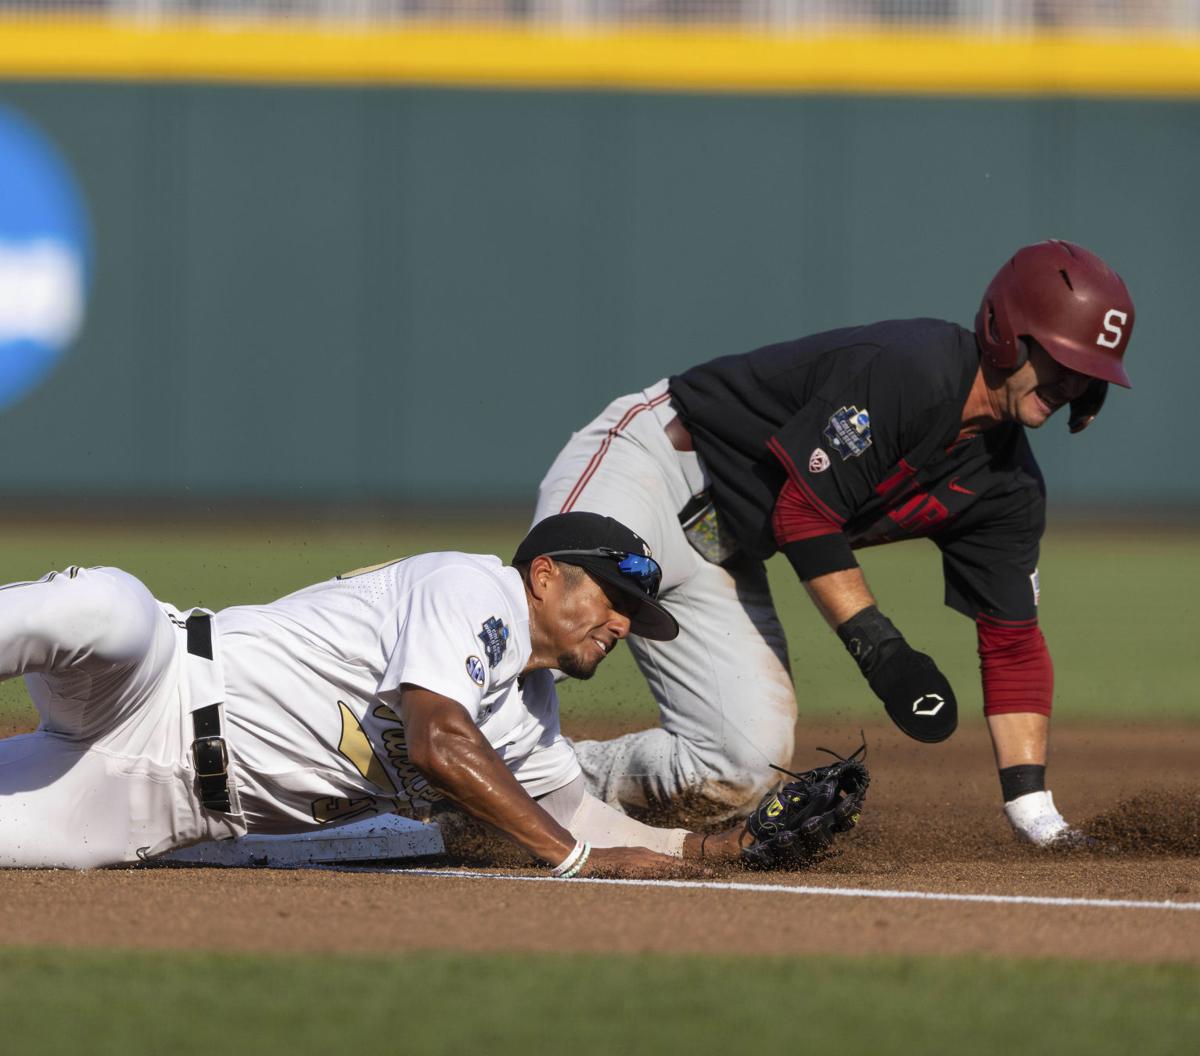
x: 1072, y: 304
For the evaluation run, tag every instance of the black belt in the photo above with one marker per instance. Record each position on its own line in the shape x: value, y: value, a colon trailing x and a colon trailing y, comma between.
x: 209, y: 754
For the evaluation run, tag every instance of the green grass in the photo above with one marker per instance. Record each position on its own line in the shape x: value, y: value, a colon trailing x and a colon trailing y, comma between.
x: 55, y: 1001
x: 1117, y: 608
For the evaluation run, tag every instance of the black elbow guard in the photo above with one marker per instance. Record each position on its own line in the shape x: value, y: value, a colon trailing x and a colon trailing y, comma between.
x: 914, y: 692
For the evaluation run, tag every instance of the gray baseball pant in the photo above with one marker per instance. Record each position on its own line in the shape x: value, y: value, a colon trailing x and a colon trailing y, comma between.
x: 723, y: 687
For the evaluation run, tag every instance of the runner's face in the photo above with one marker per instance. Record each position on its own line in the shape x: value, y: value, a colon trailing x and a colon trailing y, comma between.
x: 585, y: 623
x: 1034, y: 391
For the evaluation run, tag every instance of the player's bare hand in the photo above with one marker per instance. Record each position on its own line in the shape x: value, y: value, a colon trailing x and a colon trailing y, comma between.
x: 635, y: 862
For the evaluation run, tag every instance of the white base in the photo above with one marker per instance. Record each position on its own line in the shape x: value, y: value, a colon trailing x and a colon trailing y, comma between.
x: 372, y: 839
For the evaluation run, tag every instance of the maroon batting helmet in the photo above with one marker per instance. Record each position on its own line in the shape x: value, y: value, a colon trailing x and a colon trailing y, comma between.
x: 1065, y: 298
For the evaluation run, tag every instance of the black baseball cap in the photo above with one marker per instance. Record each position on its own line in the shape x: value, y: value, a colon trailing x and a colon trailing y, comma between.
x: 611, y: 553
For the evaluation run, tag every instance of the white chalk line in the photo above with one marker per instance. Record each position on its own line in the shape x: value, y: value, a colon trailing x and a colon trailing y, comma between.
x: 800, y: 889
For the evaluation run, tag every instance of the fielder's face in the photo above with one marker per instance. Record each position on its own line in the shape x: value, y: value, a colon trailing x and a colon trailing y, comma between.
x: 583, y: 622
x: 1034, y: 391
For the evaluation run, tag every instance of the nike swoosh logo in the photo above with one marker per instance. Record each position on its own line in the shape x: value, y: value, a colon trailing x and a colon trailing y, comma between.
x: 954, y: 485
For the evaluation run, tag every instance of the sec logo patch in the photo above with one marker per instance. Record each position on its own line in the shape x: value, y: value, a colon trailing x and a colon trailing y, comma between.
x: 475, y: 670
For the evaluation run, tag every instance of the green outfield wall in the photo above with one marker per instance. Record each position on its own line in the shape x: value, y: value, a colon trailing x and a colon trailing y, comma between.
x: 408, y: 292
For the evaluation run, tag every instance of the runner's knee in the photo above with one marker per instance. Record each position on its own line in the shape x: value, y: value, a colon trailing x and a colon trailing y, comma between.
x: 103, y: 614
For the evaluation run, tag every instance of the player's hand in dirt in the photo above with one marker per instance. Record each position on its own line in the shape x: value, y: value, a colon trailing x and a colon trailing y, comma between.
x: 634, y: 862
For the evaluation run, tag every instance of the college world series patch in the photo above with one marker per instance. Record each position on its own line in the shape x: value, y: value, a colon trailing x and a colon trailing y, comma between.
x: 849, y: 432
x: 495, y: 639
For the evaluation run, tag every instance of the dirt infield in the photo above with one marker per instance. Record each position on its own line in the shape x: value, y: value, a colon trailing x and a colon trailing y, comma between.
x: 932, y: 824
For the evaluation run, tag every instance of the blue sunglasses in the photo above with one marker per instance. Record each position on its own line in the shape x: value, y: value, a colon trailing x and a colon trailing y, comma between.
x: 643, y: 570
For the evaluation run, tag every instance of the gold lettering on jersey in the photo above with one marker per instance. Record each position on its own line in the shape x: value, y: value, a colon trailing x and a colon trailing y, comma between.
x: 395, y: 743
x: 355, y: 746
x: 370, y: 568
x: 332, y: 808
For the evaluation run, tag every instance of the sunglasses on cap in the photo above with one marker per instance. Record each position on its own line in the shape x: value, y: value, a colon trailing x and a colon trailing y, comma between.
x: 643, y: 570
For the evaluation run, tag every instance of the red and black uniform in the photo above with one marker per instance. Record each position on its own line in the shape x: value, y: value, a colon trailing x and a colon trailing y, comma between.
x: 851, y: 438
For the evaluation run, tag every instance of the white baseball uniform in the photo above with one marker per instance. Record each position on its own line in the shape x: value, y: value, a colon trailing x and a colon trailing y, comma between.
x: 723, y: 687
x: 306, y: 688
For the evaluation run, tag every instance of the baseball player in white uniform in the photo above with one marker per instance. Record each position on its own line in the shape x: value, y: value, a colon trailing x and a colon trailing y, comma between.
x: 378, y: 691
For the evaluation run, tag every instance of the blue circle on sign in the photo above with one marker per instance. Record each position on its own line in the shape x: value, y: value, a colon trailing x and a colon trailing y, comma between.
x: 45, y: 257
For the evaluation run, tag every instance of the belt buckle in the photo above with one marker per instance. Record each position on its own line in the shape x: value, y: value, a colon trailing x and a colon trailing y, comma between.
x: 201, y: 745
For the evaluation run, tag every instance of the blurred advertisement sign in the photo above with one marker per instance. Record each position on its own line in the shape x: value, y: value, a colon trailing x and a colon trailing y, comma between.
x: 44, y: 257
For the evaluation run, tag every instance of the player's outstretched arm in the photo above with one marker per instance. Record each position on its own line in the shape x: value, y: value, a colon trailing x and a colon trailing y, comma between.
x: 792, y: 827
x: 448, y: 748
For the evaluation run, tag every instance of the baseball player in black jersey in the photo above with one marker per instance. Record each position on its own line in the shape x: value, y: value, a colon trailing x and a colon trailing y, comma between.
x: 820, y: 446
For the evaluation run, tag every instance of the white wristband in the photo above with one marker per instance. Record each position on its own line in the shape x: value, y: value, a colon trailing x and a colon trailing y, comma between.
x: 575, y: 869
x: 580, y: 850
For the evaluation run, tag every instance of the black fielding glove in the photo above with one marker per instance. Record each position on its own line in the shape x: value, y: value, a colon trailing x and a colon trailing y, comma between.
x: 794, y: 826
x: 914, y: 692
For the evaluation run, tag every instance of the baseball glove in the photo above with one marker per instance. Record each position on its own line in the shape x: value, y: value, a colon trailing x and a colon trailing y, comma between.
x: 795, y: 825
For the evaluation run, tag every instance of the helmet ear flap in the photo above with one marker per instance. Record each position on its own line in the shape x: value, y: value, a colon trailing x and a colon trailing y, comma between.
x: 1020, y: 353
x: 998, y: 355
x: 989, y: 312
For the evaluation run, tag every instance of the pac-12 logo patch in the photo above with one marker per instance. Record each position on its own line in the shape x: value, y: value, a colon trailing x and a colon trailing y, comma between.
x: 818, y: 461
x: 495, y: 639
x: 1037, y: 587
x: 475, y: 670
x: 849, y: 431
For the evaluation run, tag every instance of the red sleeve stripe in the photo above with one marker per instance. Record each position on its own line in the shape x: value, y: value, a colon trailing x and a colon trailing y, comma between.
x: 777, y: 449
x: 796, y: 519
x: 1015, y: 665
x: 598, y: 457
x: 995, y: 621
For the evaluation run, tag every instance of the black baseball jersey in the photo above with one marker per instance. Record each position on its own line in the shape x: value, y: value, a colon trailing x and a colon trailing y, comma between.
x: 864, y: 422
